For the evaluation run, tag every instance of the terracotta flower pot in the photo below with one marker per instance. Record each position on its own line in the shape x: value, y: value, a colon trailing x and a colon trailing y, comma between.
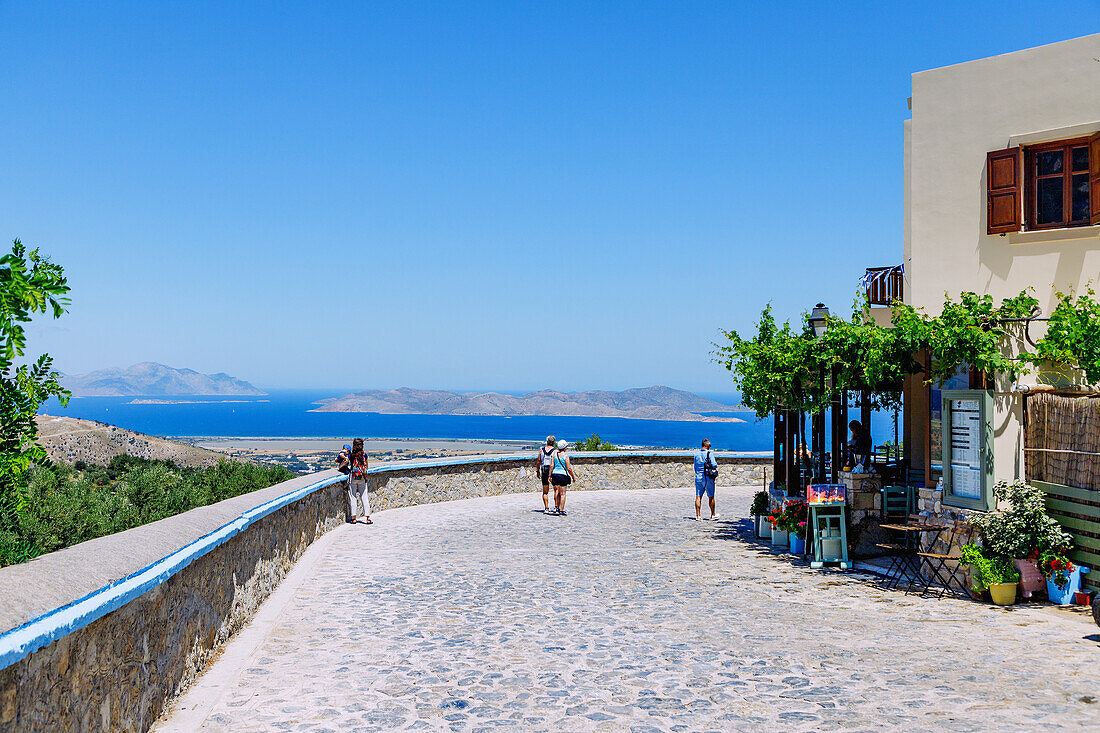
x: 1031, y: 580
x: 1003, y: 594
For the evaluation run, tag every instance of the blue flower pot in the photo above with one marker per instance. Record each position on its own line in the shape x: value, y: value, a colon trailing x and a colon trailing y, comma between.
x: 1063, y: 595
x: 798, y: 544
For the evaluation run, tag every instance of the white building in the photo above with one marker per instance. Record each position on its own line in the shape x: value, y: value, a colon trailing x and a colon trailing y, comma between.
x: 1002, y: 193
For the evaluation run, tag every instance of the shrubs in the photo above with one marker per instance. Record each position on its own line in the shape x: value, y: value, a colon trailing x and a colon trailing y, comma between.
x: 759, y: 504
x: 986, y: 570
x: 1023, y: 528
x: 66, y: 506
x: 593, y: 443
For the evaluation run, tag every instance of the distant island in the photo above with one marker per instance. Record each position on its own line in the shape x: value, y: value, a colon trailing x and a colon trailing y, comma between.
x: 648, y: 403
x: 151, y: 379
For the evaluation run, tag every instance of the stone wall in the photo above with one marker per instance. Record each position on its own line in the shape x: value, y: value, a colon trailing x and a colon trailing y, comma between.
x: 434, y: 483
x: 118, y: 672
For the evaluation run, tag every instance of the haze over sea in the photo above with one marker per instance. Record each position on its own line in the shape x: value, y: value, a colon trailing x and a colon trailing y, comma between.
x: 286, y: 413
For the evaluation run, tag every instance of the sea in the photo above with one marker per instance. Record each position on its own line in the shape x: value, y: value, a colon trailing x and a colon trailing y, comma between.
x: 286, y: 413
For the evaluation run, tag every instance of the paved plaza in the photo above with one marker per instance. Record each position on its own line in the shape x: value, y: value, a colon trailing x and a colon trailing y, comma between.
x: 624, y: 615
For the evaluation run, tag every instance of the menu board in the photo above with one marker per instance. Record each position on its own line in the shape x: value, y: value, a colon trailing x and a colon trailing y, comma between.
x: 966, y: 449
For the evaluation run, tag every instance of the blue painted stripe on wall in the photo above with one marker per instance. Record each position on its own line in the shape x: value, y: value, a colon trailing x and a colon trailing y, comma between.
x: 17, y: 643
x: 21, y: 641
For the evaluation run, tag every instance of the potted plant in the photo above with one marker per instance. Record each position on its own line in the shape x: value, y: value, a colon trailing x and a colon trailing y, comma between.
x: 1021, y: 530
x: 998, y: 575
x: 759, y: 514
x: 794, y: 521
x: 779, y: 534
x: 1062, y: 576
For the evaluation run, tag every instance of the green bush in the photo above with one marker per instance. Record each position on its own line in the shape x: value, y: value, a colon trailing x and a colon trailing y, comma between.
x: 593, y: 443
x: 985, y: 570
x: 1024, y: 528
x: 760, y: 504
x: 66, y: 505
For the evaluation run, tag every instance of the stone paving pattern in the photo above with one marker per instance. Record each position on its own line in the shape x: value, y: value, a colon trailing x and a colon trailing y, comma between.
x: 483, y: 614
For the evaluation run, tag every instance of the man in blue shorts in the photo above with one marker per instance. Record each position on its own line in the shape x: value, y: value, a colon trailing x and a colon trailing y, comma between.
x: 705, y: 463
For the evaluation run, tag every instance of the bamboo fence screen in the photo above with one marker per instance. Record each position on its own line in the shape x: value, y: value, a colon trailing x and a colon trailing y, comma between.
x: 1062, y: 443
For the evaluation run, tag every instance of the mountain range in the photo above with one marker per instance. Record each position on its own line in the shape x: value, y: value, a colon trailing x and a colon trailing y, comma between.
x: 650, y: 403
x: 149, y: 378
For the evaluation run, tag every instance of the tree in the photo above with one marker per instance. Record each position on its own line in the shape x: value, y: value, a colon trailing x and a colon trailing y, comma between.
x: 29, y: 284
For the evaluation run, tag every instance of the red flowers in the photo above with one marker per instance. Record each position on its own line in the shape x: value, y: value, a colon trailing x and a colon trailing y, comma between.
x: 1056, y: 567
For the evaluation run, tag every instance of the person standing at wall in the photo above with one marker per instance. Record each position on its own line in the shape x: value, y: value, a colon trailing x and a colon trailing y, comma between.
x: 357, y: 482
x: 561, y: 475
x: 706, y: 473
x: 543, y: 463
x: 343, y: 465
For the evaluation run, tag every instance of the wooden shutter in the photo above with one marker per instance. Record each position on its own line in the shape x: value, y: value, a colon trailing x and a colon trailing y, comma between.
x: 1004, y: 175
x: 1094, y: 179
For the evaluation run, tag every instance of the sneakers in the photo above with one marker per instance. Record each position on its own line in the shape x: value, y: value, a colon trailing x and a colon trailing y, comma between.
x: 713, y: 517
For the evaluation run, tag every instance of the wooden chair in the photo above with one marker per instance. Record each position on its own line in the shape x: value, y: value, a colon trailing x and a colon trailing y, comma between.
x: 897, y: 501
x: 955, y: 576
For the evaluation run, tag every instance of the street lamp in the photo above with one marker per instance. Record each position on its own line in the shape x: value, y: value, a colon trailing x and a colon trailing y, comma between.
x: 819, y: 320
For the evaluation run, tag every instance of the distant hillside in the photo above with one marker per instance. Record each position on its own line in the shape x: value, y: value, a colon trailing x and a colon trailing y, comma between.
x: 651, y: 403
x: 149, y: 378
x: 69, y: 440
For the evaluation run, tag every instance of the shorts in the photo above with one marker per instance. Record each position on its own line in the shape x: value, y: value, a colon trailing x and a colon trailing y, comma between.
x: 704, y: 486
x: 560, y: 479
x: 545, y: 473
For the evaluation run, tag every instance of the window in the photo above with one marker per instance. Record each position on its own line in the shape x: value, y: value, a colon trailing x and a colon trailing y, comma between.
x: 1045, y: 186
x: 1057, y: 186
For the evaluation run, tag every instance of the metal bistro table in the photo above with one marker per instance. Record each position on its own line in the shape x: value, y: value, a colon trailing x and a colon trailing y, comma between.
x: 906, y: 561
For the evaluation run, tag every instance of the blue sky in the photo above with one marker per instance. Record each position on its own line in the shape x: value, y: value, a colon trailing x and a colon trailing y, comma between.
x: 463, y: 195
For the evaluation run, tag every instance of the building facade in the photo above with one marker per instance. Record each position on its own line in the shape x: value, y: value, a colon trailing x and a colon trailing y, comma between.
x: 1002, y: 193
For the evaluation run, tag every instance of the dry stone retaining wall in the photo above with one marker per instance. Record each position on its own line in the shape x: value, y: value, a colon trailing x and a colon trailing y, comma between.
x: 118, y: 672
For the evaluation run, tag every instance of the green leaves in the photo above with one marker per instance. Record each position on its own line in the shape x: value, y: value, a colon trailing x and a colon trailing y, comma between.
x: 1073, y: 335
x: 593, y: 443
x: 781, y: 367
x: 1023, y: 527
x: 771, y: 368
x: 29, y: 284
x: 66, y: 506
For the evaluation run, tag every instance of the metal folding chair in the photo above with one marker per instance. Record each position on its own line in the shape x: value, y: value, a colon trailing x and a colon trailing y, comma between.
x: 947, y: 565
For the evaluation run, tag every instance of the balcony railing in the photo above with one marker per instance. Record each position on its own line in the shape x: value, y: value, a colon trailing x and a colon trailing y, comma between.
x: 884, y: 285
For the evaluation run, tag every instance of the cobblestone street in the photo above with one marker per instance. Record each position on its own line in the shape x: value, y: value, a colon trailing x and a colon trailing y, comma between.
x: 485, y: 614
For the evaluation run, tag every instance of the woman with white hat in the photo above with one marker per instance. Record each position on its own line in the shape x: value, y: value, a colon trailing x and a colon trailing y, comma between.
x: 561, y: 475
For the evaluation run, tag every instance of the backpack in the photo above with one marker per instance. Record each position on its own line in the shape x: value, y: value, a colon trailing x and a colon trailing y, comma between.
x: 709, y: 470
x: 547, y: 458
x: 358, y: 470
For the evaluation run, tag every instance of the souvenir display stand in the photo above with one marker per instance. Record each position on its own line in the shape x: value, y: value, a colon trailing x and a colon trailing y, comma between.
x: 829, y: 525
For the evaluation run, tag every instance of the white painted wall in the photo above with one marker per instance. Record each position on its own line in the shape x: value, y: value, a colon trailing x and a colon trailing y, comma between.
x: 959, y: 113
